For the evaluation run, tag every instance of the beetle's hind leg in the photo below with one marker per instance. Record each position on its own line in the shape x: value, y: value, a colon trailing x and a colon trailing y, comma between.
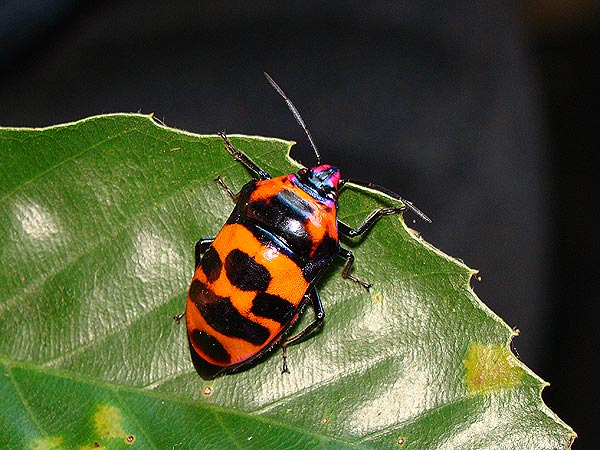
x: 319, y: 317
x: 368, y: 223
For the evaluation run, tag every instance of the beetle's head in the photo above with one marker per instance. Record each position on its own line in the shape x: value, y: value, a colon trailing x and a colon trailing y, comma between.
x: 324, y: 179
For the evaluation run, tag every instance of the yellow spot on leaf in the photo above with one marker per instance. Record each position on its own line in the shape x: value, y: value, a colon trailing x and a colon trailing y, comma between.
x: 377, y: 297
x: 490, y: 368
x: 49, y: 443
x: 108, y: 422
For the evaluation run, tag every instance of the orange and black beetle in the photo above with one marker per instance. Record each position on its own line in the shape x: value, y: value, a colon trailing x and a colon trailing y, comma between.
x: 254, y: 278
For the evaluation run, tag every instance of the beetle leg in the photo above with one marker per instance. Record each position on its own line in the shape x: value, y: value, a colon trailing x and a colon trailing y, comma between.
x: 244, y: 159
x: 349, y: 256
x: 368, y: 223
x: 408, y: 204
x: 221, y: 183
x: 319, y: 317
x: 178, y: 317
x: 201, y: 247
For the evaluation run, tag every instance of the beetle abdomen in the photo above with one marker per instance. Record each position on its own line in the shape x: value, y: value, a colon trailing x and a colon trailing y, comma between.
x: 240, y: 301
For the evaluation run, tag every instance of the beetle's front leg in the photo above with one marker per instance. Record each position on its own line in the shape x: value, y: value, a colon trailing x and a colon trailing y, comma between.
x: 244, y: 159
x: 368, y: 223
x: 227, y: 189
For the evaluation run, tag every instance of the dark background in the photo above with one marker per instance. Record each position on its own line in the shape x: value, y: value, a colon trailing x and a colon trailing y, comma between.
x: 485, y: 115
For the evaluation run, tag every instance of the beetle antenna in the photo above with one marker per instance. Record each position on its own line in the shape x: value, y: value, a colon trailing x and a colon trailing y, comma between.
x: 295, y: 113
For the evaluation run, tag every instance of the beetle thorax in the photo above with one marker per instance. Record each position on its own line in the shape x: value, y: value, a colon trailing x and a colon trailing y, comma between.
x: 324, y: 179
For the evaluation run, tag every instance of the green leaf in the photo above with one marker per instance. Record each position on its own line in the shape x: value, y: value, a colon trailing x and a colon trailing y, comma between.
x: 98, y: 224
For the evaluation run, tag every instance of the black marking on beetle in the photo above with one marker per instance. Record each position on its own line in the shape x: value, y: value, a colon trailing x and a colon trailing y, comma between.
x: 326, y: 249
x: 324, y: 253
x: 289, y: 200
x: 276, y: 211
x: 221, y: 315
x: 285, y: 215
x: 211, y: 264
x: 268, y: 239
x: 245, y: 273
x: 197, y: 291
x: 273, y: 307
x: 235, y: 216
x: 210, y: 346
x: 313, y: 270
